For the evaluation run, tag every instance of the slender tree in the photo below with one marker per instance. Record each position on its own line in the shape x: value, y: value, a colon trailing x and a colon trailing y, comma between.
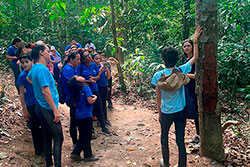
x: 117, y: 55
x: 206, y: 77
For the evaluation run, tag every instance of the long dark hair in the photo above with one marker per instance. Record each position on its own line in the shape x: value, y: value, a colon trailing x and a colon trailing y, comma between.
x: 192, y: 44
x: 36, y: 52
x: 75, y: 88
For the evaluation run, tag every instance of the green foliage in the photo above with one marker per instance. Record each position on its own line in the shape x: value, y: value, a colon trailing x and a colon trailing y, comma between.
x: 233, y: 49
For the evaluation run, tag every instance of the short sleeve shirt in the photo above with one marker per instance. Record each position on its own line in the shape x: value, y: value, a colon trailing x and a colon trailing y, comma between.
x: 83, y: 108
x: 12, y: 52
x: 102, y: 82
x: 86, y: 72
x: 67, y: 72
x: 41, y: 77
x: 30, y: 99
x: 172, y: 101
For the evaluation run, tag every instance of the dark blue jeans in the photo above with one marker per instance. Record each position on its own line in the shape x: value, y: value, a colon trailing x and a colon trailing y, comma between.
x: 180, y: 122
x: 16, y: 71
x: 84, y: 143
x: 98, y: 110
x: 73, y: 123
x: 52, y: 131
x: 36, y: 130
x: 103, y: 92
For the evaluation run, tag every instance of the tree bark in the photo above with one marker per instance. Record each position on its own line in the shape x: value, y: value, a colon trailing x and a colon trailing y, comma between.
x: 206, y: 81
x: 117, y: 55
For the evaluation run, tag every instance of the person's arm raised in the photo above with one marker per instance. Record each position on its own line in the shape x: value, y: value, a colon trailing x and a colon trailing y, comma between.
x: 195, y: 49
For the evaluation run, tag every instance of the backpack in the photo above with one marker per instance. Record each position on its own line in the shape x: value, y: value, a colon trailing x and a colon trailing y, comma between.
x: 61, y: 91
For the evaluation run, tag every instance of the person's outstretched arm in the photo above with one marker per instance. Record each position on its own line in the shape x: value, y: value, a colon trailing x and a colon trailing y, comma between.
x: 195, y: 41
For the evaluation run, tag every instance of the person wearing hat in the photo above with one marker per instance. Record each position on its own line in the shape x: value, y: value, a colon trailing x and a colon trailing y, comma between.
x: 28, y: 103
x: 170, y: 99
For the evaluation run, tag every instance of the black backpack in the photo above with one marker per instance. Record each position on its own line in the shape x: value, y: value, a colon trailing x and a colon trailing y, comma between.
x: 61, y: 91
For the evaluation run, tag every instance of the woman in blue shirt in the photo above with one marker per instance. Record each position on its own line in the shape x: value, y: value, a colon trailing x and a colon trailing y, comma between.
x: 28, y: 102
x: 103, y: 84
x: 90, y: 71
x: 83, y: 99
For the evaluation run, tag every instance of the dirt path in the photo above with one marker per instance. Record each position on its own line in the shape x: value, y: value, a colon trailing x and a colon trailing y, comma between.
x: 135, y: 142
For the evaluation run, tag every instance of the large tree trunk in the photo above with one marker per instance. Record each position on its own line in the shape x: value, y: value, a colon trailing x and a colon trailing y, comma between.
x: 117, y: 55
x: 206, y: 81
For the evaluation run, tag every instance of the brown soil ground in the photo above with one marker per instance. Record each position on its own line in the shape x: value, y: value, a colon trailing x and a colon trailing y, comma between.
x: 135, y: 140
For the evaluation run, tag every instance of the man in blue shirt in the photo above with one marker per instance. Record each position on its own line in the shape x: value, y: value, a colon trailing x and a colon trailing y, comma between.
x: 47, y: 109
x: 11, y: 55
x: 68, y: 47
x: 170, y: 104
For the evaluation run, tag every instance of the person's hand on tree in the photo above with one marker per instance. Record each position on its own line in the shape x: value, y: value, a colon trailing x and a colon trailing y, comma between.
x: 197, y: 34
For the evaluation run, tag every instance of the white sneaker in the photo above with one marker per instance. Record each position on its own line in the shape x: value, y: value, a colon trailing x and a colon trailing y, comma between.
x: 162, y: 163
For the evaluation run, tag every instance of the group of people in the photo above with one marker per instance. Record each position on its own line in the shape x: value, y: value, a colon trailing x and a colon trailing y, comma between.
x: 84, y: 77
x: 86, y: 81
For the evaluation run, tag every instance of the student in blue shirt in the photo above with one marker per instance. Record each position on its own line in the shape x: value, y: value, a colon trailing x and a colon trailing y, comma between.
x: 11, y: 55
x: 170, y: 104
x: 103, y: 84
x: 28, y: 103
x: 90, y: 71
x: 68, y: 48
x: 67, y: 73
x: 46, y: 94
x: 83, y: 99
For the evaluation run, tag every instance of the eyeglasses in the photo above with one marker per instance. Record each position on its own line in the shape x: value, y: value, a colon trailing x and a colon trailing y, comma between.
x: 87, y: 56
x: 186, y: 46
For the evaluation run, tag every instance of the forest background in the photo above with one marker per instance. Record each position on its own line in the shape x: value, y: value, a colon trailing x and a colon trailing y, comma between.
x: 143, y: 27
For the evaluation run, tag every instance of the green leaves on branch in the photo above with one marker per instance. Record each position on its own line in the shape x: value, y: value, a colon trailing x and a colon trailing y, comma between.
x: 57, y: 8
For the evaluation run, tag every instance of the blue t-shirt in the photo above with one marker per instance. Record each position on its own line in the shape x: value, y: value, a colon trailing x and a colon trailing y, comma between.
x: 41, y: 77
x: 30, y: 99
x: 172, y: 102
x: 67, y: 72
x: 102, y: 82
x: 12, y: 52
x: 83, y: 108
x: 87, y: 71
x: 68, y: 47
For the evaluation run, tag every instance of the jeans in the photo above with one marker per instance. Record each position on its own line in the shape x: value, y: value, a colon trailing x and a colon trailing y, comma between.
x: 16, y: 71
x: 52, y: 131
x: 109, y: 92
x: 84, y: 142
x: 103, y: 92
x: 97, y: 109
x: 180, y: 122
x: 36, y: 130
x: 73, y: 123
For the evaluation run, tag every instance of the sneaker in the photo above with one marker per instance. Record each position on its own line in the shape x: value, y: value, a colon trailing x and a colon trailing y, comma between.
x: 195, y: 140
x: 162, y: 163
x: 106, y: 132
x: 110, y: 105
x: 76, y: 157
x: 93, y: 136
x: 92, y: 158
x: 73, y: 147
x: 108, y: 123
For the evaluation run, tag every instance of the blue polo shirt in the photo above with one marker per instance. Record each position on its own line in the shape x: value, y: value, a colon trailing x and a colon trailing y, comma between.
x: 68, y: 47
x: 83, y: 108
x: 88, y: 71
x: 102, y: 82
x: 172, y: 101
x: 12, y: 52
x: 67, y: 72
x: 41, y: 77
x: 30, y: 99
